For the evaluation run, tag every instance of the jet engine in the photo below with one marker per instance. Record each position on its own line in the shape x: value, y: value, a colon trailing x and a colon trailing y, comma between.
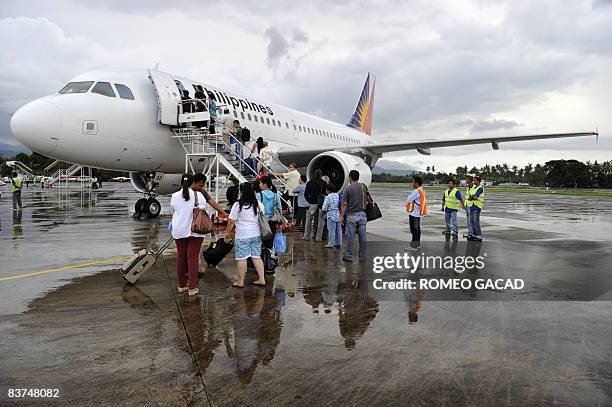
x: 337, y: 165
x: 157, y: 183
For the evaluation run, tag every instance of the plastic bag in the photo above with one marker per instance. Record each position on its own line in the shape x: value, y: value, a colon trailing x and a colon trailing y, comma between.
x: 280, y: 243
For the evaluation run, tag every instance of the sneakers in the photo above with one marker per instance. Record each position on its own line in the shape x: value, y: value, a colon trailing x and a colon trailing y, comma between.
x: 194, y: 291
x: 182, y: 289
x: 344, y: 258
x: 446, y: 232
x: 329, y: 247
x: 412, y: 249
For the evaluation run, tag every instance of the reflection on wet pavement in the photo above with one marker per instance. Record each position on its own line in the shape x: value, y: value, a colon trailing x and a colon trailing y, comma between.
x: 318, y: 333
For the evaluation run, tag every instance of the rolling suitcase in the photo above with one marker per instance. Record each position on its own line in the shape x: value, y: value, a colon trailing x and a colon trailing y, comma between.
x: 216, y: 252
x: 141, y: 262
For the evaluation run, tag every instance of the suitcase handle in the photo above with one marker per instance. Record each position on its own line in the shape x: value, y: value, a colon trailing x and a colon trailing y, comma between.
x: 164, y: 247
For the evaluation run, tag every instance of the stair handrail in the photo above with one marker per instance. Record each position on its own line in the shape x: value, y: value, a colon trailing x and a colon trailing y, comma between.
x: 232, y: 151
x: 52, y: 165
x: 243, y: 146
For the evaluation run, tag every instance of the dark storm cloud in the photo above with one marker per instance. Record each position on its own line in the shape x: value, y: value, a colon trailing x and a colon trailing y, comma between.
x: 278, y: 46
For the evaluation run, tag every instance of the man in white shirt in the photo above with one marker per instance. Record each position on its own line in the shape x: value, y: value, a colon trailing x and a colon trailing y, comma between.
x: 292, y: 180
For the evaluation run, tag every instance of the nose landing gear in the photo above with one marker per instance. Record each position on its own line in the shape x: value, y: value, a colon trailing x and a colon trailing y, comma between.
x: 149, y: 207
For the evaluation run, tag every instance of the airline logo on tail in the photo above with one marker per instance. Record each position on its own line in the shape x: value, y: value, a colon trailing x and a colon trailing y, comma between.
x: 362, y: 118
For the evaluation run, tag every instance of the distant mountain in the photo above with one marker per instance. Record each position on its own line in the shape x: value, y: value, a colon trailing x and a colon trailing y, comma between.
x: 393, y: 168
x: 9, y: 150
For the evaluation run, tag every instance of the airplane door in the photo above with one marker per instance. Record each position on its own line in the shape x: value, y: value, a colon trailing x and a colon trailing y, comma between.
x: 295, y: 132
x: 168, y: 97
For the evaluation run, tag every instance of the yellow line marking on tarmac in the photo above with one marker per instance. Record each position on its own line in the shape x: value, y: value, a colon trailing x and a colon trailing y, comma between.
x: 91, y: 263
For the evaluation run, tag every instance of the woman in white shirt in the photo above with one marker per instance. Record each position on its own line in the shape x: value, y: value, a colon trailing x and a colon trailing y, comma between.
x: 243, y: 217
x: 187, y: 243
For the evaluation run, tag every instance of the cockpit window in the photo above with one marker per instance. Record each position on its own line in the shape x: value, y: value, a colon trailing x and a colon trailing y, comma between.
x: 103, y: 88
x: 76, y: 87
x: 124, y: 91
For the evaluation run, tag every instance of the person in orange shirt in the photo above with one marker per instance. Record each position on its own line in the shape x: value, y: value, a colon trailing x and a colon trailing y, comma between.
x: 416, y: 206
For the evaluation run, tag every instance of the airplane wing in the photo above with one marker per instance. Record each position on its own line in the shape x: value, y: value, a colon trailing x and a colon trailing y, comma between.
x: 422, y: 146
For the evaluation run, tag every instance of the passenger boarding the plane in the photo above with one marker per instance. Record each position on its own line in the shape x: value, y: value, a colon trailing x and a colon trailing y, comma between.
x: 235, y: 131
x: 255, y: 153
x: 186, y: 102
x: 212, y: 109
x: 265, y: 156
x: 201, y: 96
x: 226, y: 123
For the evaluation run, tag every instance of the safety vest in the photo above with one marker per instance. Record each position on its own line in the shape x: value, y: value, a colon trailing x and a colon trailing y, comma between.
x: 469, y: 192
x: 422, y: 205
x: 450, y: 199
x: 16, y: 184
x: 480, y: 201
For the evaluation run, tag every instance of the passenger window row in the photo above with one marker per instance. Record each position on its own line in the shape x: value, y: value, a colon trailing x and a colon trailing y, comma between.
x: 300, y: 128
x: 101, y: 88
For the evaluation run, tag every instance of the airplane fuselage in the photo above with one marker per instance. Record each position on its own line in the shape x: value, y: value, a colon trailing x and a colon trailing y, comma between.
x: 122, y: 134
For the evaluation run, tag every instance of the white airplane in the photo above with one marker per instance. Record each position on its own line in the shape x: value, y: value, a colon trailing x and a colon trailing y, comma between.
x: 121, y: 179
x: 124, y: 120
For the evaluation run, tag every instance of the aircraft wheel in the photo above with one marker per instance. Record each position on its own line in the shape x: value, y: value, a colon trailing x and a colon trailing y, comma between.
x: 153, y: 208
x: 139, y: 207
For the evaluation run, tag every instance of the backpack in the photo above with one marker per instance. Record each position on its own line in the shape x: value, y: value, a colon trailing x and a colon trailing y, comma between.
x: 245, y: 135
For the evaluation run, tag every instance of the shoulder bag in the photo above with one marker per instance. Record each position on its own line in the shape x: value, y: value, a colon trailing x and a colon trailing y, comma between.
x: 264, y: 226
x: 201, y: 222
x: 371, y: 208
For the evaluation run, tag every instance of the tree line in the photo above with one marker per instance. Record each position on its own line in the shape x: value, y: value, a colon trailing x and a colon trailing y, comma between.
x: 554, y: 174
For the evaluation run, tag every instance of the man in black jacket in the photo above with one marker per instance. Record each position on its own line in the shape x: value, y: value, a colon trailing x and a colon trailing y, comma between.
x: 314, y: 189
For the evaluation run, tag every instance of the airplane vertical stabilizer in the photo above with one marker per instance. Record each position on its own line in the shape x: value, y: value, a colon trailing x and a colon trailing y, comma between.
x: 363, y: 116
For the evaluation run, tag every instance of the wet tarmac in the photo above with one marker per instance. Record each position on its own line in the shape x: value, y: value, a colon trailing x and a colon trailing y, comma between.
x: 318, y: 334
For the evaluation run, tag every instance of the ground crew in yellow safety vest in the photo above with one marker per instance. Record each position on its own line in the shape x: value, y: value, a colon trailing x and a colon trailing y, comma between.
x: 16, y: 186
x: 416, y: 206
x: 477, y: 197
x: 469, y: 191
x: 450, y: 205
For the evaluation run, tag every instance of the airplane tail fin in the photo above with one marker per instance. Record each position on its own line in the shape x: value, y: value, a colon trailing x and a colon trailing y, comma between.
x: 362, y: 118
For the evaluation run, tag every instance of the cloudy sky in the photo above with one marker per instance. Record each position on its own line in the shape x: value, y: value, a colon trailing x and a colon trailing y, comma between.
x: 444, y: 69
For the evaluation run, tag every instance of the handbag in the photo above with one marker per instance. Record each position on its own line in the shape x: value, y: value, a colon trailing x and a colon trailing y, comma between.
x: 372, y: 211
x: 269, y: 261
x: 277, y: 217
x: 201, y: 222
x: 371, y: 208
x: 264, y: 227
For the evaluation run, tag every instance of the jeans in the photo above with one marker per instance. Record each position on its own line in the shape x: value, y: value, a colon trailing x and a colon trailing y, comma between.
x: 475, y: 223
x: 17, y: 200
x: 356, y: 223
x: 188, y: 261
x: 450, y: 218
x: 334, y: 233
x: 308, y: 230
x: 415, y: 230
x: 469, y: 223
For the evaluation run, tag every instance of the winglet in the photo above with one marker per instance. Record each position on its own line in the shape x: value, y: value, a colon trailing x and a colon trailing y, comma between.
x: 363, y: 117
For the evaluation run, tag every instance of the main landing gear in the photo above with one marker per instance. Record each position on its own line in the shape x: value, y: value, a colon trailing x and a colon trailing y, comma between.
x: 147, y: 206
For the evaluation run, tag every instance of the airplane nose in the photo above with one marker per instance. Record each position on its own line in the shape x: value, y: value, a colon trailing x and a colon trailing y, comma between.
x: 37, y: 125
